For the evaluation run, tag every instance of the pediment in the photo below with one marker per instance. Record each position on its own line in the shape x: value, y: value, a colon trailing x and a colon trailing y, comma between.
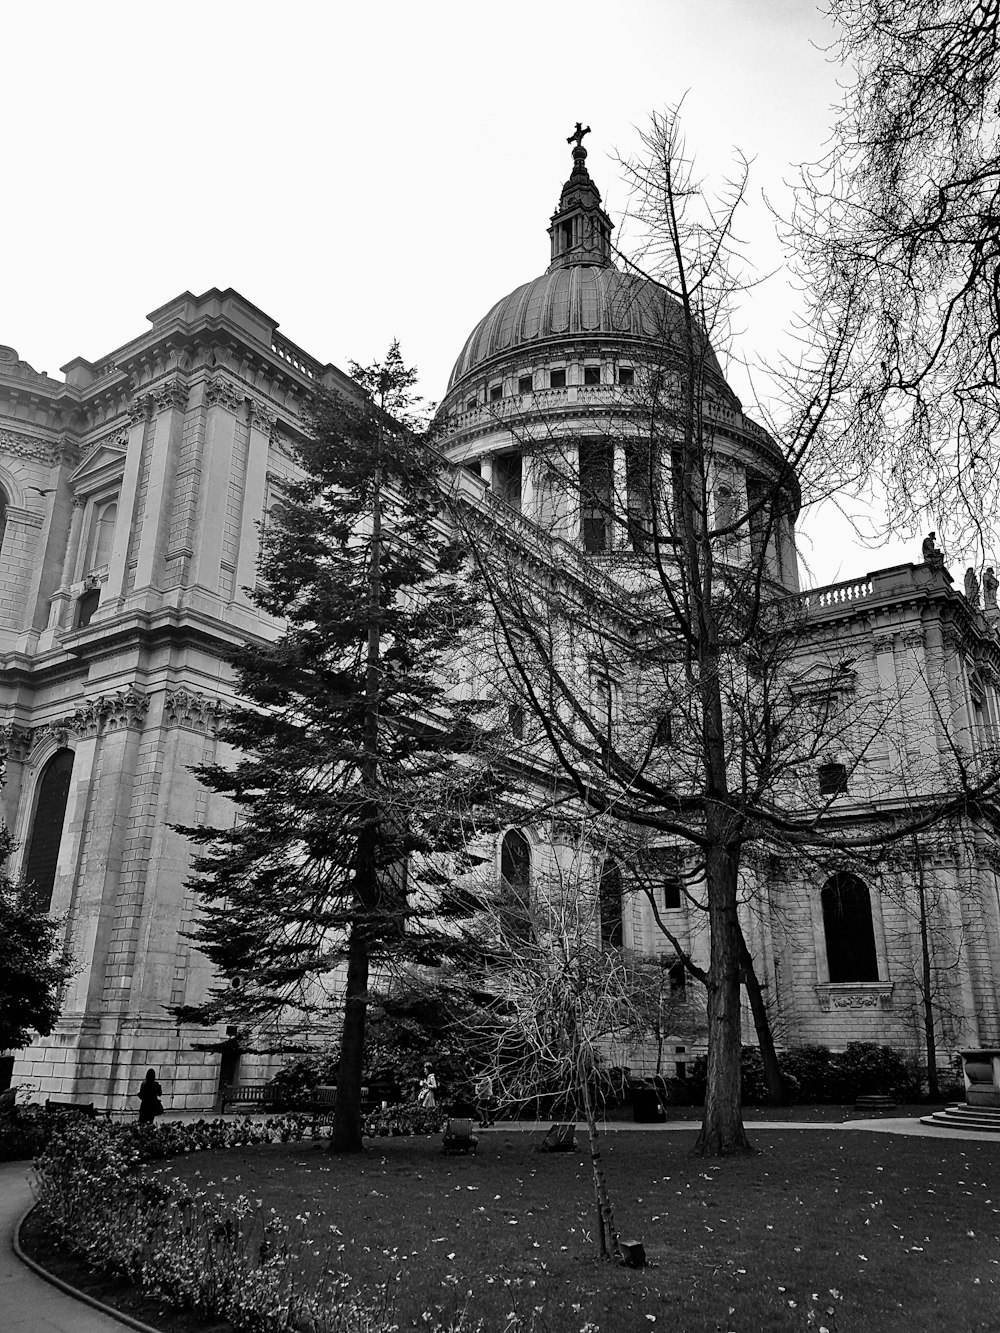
x: 104, y: 463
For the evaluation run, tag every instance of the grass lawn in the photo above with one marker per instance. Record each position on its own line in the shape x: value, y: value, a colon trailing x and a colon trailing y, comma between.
x: 891, y: 1233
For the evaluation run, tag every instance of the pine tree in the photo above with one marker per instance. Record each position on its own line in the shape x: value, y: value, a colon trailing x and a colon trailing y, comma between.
x: 359, y: 776
x: 34, y: 964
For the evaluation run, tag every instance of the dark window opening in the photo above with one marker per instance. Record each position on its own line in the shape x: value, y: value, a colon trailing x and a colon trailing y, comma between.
x: 847, y: 924
x: 470, y: 405
x: 832, y: 779
x: 475, y: 466
x: 524, y: 384
x: 47, y: 826
x: 496, y: 393
x: 595, y: 495
x: 86, y: 605
x: 592, y: 374
x: 515, y: 716
x: 677, y: 976
x: 557, y: 379
x: 664, y: 733
x: 672, y: 893
x: 626, y: 376
x: 567, y: 234
x: 507, y: 479
x: 6, y: 1072
x: 642, y: 489
x: 515, y: 874
x: 612, y: 924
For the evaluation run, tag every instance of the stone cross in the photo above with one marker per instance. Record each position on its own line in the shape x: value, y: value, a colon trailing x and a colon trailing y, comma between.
x: 577, y: 135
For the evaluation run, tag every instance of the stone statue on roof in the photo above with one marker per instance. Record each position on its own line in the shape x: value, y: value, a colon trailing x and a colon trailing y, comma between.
x: 971, y: 587
x: 990, y: 585
x: 932, y: 556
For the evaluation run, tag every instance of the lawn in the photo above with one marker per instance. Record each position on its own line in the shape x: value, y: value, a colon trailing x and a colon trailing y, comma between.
x: 890, y: 1233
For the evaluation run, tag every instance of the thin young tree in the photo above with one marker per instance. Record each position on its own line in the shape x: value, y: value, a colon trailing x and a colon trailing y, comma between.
x: 357, y: 775
x: 552, y: 1000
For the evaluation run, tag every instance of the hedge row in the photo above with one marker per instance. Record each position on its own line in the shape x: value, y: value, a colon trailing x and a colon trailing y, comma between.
x: 817, y: 1074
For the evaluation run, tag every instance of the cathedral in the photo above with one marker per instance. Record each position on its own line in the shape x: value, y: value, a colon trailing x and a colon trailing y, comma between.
x: 132, y: 496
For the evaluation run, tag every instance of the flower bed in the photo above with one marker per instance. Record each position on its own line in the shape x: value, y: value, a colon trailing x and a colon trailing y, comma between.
x: 227, y: 1259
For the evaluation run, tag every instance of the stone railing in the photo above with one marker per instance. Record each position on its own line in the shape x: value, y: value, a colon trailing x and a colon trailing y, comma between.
x: 837, y: 594
x: 296, y: 358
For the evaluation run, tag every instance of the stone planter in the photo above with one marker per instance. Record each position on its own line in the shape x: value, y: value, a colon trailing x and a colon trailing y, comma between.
x: 981, y: 1070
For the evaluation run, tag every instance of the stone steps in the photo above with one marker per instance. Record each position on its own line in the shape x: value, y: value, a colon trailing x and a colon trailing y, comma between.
x: 960, y: 1116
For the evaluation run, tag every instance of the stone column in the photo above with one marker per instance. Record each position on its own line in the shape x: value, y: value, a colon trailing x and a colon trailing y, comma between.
x: 223, y: 399
x: 114, y: 588
x: 262, y: 427
x: 169, y: 402
x: 617, y: 519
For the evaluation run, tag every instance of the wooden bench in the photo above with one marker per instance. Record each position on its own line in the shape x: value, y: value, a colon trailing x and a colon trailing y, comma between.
x: 70, y: 1108
x: 321, y: 1101
x: 458, y: 1136
x: 560, y: 1138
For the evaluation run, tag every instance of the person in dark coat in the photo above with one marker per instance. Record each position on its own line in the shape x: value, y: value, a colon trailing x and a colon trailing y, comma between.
x: 150, y: 1093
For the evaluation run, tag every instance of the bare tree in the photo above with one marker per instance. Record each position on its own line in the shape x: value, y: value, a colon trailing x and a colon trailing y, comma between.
x: 897, y: 237
x: 668, y: 679
x: 552, y: 1004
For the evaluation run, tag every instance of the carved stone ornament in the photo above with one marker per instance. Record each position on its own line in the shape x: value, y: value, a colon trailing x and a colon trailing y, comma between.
x: 15, y: 742
x: 222, y: 392
x: 883, y: 643
x: 139, y: 408
x: 914, y: 638
x: 197, y: 712
x: 108, y: 712
x: 953, y: 638
x: 860, y: 995
x: 174, y: 393
x: 27, y: 446
x: 262, y: 419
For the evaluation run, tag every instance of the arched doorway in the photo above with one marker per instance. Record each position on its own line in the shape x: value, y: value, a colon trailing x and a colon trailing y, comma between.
x: 847, y: 924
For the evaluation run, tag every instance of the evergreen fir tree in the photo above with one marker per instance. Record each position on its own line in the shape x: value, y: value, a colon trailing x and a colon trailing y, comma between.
x: 359, y: 777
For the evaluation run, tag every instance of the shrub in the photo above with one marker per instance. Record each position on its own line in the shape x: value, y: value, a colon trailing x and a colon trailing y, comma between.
x: 405, y: 1118
x: 23, y: 1133
x: 866, y: 1068
x: 816, y: 1072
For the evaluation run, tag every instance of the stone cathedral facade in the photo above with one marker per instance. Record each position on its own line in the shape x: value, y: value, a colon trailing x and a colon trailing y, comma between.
x: 133, y: 491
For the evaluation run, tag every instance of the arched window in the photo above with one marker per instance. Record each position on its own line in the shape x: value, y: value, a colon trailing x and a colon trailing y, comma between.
x: 515, y: 874
x: 850, y: 936
x: 612, y: 928
x: 47, y: 826
x: 102, y: 531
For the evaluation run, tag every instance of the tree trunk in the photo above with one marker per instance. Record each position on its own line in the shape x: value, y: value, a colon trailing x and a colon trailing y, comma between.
x: 930, y: 1044
x: 346, y: 1136
x: 722, y: 1133
x: 607, y: 1230
x: 777, y: 1092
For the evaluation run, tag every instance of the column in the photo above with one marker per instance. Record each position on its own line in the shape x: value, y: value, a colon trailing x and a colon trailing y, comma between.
x: 617, y: 519
x: 262, y: 427
x: 169, y: 403
x: 222, y: 401
x: 114, y: 588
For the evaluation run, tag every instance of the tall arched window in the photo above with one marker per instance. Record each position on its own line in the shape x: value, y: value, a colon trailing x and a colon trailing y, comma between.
x: 515, y: 872
x: 47, y: 825
x: 102, y: 532
x: 850, y: 936
x: 612, y: 928
x: 3, y: 515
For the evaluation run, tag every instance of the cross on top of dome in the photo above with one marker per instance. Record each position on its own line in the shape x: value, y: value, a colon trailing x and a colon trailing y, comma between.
x: 580, y: 229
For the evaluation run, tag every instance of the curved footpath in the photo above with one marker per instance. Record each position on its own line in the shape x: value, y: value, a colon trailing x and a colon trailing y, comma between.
x: 31, y: 1303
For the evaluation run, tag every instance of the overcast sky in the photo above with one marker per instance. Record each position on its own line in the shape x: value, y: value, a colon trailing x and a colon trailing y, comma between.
x: 370, y: 172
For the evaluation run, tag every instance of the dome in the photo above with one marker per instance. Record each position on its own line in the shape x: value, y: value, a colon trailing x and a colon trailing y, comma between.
x: 575, y: 301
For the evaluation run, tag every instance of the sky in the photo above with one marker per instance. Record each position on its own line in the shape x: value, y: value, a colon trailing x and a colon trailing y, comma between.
x: 370, y: 172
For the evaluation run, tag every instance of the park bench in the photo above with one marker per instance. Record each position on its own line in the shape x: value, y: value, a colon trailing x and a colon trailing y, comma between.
x: 320, y: 1101
x: 560, y: 1138
x: 54, y: 1107
x: 458, y: 1136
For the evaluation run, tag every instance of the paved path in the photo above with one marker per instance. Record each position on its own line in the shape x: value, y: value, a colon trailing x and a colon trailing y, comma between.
x: 29, y: 1304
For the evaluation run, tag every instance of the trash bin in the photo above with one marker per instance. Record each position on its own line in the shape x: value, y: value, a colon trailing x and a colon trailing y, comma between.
x: 646, y: 1106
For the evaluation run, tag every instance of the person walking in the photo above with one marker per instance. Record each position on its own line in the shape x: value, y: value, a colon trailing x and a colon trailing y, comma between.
x: 484, y: 1100
x: 428, y: 1087
x: 150, y: 1092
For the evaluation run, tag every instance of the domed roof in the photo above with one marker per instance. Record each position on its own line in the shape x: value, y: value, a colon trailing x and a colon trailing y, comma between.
x: 573, y: 301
